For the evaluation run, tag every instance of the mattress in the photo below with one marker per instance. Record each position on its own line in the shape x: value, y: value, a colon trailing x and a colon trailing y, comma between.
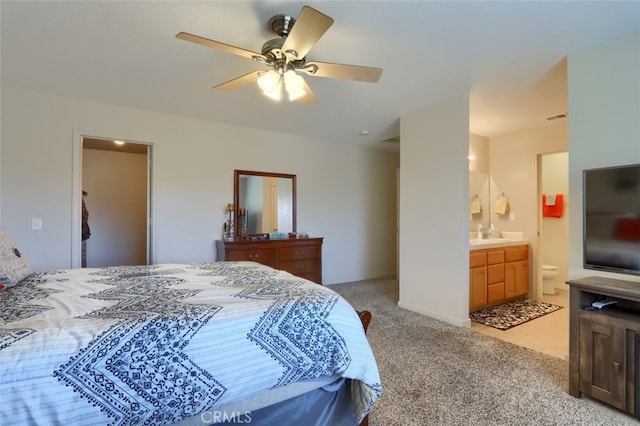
x: 163, y: 343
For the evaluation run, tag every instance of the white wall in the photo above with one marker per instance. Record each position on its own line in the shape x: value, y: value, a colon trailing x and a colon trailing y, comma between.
x: 604, y: 129
x: 478, y: 153
x: 513, y: 169
x: 346, y: 193
x: 434, y: 212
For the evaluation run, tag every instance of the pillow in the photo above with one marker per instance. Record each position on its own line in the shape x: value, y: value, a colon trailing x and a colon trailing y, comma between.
x: 13, y: 266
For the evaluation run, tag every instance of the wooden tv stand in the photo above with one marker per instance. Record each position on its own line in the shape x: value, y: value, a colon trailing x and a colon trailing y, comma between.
x: 604, y: 355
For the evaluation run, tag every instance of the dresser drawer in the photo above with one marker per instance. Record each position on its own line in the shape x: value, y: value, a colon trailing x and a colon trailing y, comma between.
x: 296, y: 253
x: 311, y: 276
x: 513, y: 254
x: 495, y: 257
x: 298, y: 267
x: 477, y: 259
x: 301, y: 257
x: 495, y: 273
x: 267, y: 257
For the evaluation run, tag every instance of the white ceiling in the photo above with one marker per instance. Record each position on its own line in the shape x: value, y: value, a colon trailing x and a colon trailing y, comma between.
x: 509, y: 56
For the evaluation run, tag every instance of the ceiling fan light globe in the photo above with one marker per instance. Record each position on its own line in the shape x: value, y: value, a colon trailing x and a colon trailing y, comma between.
x: 275, y: 94
x: 269, y: 81
x: 296, y: 94
x: 293, y: 80
x: 294, y: 85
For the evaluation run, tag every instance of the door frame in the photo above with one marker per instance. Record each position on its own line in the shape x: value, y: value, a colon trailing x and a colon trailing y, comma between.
x: 76, y: 196
x: 539, y: 220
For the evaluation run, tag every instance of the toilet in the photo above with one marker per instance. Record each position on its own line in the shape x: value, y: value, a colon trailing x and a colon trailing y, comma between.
x: 549, y: 272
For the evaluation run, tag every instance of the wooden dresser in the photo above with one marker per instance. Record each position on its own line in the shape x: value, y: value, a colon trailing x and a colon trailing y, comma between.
x: 301, y: 257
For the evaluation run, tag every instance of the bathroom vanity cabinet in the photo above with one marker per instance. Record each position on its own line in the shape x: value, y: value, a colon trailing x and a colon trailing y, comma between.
x: 516, y: 271
x: 498, y: 274
x: 604, y: 344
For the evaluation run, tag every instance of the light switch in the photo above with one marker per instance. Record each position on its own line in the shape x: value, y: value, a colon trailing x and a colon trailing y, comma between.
x: 36, y: 223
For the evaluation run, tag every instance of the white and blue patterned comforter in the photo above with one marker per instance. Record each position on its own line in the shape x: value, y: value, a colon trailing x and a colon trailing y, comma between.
x: 158, y: 344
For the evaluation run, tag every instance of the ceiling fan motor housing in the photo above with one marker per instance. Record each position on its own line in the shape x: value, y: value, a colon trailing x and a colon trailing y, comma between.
x: 282, y: 24
x: 272, y: 49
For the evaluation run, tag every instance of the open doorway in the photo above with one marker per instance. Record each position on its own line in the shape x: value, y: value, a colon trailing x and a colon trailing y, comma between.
x: 553, y: 223
x: 115, y: 183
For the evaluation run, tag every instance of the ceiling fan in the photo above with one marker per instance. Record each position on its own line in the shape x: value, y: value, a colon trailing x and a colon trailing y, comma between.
x: 286, y: 57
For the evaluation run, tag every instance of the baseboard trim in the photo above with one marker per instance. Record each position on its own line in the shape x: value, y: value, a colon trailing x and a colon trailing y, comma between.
x: 451, y: 320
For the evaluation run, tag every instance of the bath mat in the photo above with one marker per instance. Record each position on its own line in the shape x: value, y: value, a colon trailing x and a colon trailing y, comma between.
x: 510, y: 314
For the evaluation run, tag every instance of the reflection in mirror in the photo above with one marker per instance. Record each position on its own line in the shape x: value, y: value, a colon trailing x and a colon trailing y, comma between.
x: 265, y: 202
x: 479, y: 192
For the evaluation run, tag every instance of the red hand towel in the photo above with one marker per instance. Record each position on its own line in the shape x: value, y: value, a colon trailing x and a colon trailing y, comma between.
x: 554, y: 210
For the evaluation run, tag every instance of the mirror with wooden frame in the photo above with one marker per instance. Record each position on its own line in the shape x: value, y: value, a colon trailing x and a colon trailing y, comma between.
x: 264, y: 202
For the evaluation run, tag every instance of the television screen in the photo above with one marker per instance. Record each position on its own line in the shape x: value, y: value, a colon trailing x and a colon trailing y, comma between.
x: 612, y: 219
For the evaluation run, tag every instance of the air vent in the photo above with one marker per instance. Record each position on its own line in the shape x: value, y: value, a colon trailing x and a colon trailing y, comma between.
x: 557, y: 116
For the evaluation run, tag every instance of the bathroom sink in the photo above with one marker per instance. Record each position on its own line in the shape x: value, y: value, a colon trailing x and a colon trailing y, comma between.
x: 488, y: 241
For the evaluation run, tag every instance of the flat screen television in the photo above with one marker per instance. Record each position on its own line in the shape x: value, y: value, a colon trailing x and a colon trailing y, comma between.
x: 611, y: 234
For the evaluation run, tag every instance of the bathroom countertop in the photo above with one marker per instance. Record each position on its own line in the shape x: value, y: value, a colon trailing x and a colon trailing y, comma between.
x: 491, y: 243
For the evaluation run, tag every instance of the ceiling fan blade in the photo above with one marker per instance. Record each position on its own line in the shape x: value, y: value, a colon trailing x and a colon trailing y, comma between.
x: 243, y: 80
x: 346, y: 72
x: 310, y: 25
x: 219, y: 45
x: 309, y: 98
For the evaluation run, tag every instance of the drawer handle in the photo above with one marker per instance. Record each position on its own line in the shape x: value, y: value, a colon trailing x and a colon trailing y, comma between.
x: 616, y: 367
x: 300, y: 266
x: 299, y: 252
x: 253, y: 255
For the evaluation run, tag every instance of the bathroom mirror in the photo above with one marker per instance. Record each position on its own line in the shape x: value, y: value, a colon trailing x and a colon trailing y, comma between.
x: 264, y: 202
x: 479, y: 191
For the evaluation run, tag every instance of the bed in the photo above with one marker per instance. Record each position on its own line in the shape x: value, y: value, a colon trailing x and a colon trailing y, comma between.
x: 181, y: 344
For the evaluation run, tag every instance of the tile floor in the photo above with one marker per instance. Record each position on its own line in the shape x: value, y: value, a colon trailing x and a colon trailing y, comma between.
x: 548, y: 334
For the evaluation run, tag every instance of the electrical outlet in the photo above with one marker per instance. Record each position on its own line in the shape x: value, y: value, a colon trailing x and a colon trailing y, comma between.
x: 36, y: 223
x: 512, y: 216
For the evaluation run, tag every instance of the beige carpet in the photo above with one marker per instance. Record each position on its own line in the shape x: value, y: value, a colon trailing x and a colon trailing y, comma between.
x: 434, y: 373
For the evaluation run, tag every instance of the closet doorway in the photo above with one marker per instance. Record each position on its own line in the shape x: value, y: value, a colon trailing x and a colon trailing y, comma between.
x: 116, y: 183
